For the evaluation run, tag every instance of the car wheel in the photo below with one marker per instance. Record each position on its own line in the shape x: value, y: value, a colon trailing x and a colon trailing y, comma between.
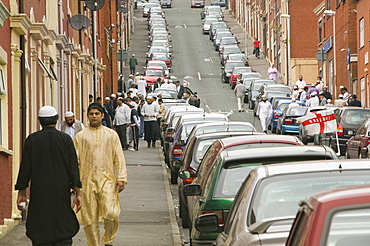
x: 173, y: 176
x: 185, y: 221
x: 273, y: 130
x: 303, y: 139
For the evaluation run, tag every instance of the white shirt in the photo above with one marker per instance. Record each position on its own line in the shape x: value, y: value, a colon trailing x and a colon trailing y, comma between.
x: 346, y: 96
x: 70, y: 130
x: 171, y: 86
x: 313, y: 102
x: 300, y: 84
x: 264, y: 109
x: 165, y: 85
x: 150, y: 109
x: 123, y: 115
x: 141, y: 87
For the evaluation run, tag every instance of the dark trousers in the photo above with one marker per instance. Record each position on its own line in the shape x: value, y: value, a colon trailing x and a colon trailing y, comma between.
x: 150, y: 131
x: 66, y: 242
x: 132, y: 70
x: 122, y: 134
x: 256, y: 52
x: 135, y: 137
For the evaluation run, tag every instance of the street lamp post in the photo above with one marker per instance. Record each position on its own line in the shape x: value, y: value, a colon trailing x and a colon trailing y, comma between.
x: 332, y: 13
x: 288, y: 45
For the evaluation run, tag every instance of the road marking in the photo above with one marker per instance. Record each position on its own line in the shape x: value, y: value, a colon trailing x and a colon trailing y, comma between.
x: 188, y: 77
x: 200, y: 78
x: 207, y: 59
x: 208, y: 108
x: 178, y: 26
x: 211, y: 59
x: 184, y: 25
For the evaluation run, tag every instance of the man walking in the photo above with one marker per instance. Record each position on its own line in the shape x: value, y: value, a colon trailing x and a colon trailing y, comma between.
x: 273, y: 72
x: 256, y: 45
x: 239, y: 92
x: 104, y: 175
x: 150, y: 112
x: 70, y: 125
x: 141, y: 86
x: 49, y: 161
x: 135, y: 126
x: 264, y: 112
x: 122, y: 120
x: 133, y: 64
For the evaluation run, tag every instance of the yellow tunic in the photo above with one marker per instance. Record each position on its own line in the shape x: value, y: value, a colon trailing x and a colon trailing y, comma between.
x: 102, y: 164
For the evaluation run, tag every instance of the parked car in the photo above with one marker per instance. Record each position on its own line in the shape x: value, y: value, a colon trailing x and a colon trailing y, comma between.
x: 227, y: 50
x: 357, y: 145
x: 218, y: 36
x: 274, y: 87
x: 228, y: 173
x: 184, y: 126
x: 220, y: 3
x: 278, y: 111
x: 157, y: 49
x: 338, y: 217
x: 215, y: 26
x: 161, y: 57
x: 197, y: 3
x: 247, y: 84
x: 348, y: 121
x: 238, y: 57
x: 228, y: 68
x: 287, y: 123
x: 253, y: 91
x: 151, y: 74
x: 211, y: 10
x: 235, y: 74
x: 158, y: 63
x: 147, y: 8
x: 225, y: 41
x: 267, y: 202
x: 207, y: 24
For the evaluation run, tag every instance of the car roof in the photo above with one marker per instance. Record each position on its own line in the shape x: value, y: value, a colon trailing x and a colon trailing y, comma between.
x: 160, y: 68
x: 262, y: 138
x: 225, y: 123
x: 271, y: 152
x: 276, y: 85
x: 205, y: 115
x: 217, y: 135
x: 312, y: 166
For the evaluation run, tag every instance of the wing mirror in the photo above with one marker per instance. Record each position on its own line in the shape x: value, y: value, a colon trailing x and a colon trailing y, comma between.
x: 192, y: 190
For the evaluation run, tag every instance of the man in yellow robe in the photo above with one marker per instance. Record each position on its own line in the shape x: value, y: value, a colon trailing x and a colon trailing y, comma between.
x: 103, y: 174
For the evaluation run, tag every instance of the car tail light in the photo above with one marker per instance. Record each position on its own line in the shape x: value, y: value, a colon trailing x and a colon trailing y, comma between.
x: 189, y: 180
x: 221, y: 214
x: 340, y: 129
x: 177, y: 151
x: 288, y: 122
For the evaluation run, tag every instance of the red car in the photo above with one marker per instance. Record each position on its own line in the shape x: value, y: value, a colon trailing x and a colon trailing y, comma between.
x: 357, y: 145
x: 161, y: 57
x: 339, y: 217
x: 235, y: 74
x: 151, y: 74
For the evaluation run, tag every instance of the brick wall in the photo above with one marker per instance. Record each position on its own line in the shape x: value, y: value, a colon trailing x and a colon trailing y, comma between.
x: 5, y: 188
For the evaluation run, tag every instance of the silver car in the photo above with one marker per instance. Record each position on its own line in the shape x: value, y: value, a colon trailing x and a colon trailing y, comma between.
x: 267, y: 202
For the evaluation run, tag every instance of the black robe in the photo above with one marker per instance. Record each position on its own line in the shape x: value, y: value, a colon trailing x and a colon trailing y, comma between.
x: 49, y: 160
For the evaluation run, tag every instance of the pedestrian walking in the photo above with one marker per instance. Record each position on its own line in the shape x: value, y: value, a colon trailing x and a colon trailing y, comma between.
x: 161, y: 114
x: 133, y: 64
x: 135, y: 126
x: 239, y: 92
x: 150, y: 113
x: 104, y: 175
x: 122, y: 121
x: 273, y: 72
x: 49, y: 161
x: 256, y: 45
x: 180, y: 89
x: 340, y: 102
x: 300, y: 82
x: 303, y: 96
x: 345, y: 94
x: 70, y: 125
x: 139, y: 108
x: 141, y: 86
x: 264, y: 112
x: 130, y: 81
x: 313, y: 101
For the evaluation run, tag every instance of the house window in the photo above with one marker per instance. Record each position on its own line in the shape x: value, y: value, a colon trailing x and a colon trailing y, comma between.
x: 2, y: 83
x: 320, y: 33
x: 362, y: 33
x: 2, y: 93
x: 366, y: 58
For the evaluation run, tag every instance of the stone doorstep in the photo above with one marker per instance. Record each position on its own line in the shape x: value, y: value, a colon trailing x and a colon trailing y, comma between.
x: 9, y: 224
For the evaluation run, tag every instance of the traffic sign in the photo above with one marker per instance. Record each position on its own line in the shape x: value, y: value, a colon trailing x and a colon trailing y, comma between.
x: 321, y: 55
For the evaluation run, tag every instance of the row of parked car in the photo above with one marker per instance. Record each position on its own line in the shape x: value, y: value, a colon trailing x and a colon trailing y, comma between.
x: 158, y: 63
x: 238, y: 186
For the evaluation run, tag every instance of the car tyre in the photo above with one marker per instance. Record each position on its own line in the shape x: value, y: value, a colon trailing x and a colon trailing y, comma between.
x: 185, y: 220
x: 173, y: 176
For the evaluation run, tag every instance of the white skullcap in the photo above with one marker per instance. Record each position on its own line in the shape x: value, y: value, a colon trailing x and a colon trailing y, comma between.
x: 113, y: 95
x: 119, y: 93
x: 340, y: 96
x: 329, y: 100
x: 131, y: 76
x: 120, y: 98
x: 133, y: 104
x: 137, y: 73
x: 341, y: 86
x: 133, y: 54
x: 314, y: 93
x: 69, y: 114
x: 149, y: 97
x: 47, y: 111
x: 107, y: 98
x: 263, y: 96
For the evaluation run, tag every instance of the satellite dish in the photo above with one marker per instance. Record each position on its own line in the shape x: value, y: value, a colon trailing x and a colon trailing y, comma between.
x: 94, y: 5
x: 123, y: 10
x: 79, y: 22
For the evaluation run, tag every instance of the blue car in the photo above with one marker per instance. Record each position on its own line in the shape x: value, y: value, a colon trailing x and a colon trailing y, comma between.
x: 278, y: 111
x: 287, y: 123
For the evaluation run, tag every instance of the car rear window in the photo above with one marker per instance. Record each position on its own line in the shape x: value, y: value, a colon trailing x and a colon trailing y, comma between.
x: 296, y: 111
x: 257, y: 145
x: 223, y: 128
x: 202, y: 149
x: 278, y: 196
x: 355, y: 117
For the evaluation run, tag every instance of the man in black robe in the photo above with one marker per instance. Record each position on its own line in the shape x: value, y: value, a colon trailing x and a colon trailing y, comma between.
x: 49, y: 161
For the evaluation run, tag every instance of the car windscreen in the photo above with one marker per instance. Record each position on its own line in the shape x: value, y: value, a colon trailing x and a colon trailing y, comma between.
x: 202, y: 148
x: 223, y: 34
x: 230, y: 65
x: 355, y: 117
x: 231, y: 179
x: 257, y: 85
x: 283, y: 106
x: 228, y: 40
x: 210, y: 21
x: 160, y: 57
x: 243, y: 70
x: 284, y: 89
x: 232, y: 50
x: 219, y: 25
x: 296, y: 111
x: 275, y: 94
x: 153, y: 72
x: 208, y: 118
x: 278, y: 196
